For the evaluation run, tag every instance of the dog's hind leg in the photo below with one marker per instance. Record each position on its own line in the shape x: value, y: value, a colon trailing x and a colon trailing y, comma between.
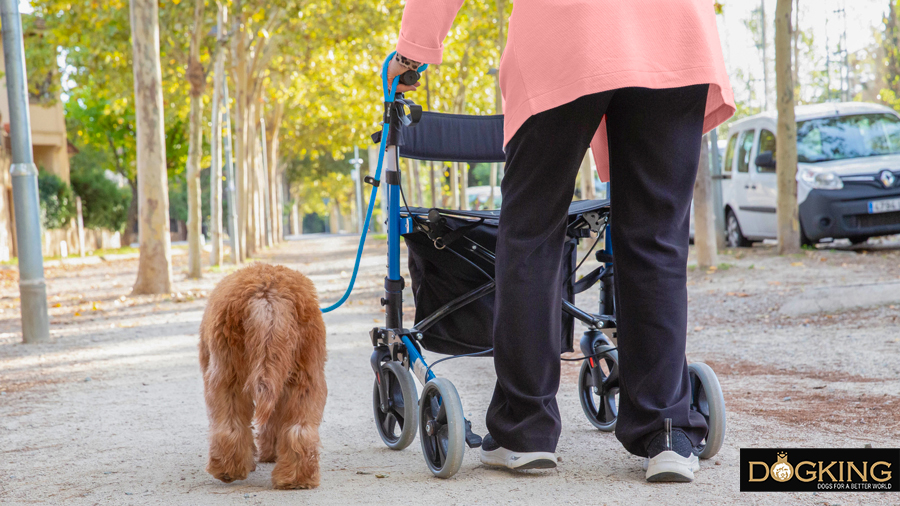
x: 268, y: 432
x: 230, y: 410
x: 297, y: 445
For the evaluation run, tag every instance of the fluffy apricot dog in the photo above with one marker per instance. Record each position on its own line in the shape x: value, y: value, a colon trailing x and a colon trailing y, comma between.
x: 262, y: 343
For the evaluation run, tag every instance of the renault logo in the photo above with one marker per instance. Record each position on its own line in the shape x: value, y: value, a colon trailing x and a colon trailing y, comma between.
x: 887, y: 178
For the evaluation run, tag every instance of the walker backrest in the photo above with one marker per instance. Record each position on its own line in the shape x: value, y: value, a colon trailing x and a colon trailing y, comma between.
x: 454, y: 138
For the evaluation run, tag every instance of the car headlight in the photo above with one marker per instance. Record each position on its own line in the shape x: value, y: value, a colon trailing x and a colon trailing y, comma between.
x: 821, y: 180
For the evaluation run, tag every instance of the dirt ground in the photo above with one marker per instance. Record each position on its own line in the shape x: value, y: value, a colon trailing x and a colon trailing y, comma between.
x: 111, y: 411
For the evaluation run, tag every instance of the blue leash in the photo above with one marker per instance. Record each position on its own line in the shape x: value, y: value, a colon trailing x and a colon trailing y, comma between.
x: 385, y: 128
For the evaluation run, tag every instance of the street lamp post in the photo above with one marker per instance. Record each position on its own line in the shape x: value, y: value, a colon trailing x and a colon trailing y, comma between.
x: 32, y: 286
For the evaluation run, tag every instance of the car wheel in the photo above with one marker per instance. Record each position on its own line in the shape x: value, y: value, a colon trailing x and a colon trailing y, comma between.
x: 859, y: 239
x: 733, y: 235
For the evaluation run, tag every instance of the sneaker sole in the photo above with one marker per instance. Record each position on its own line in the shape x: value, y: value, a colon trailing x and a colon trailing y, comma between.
x: 668, y: 466
x: 537, y: 464
x: 503, y: 458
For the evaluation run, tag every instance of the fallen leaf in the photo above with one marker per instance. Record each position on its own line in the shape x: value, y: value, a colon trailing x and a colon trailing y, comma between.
x: 774, y: 282
x: 796, y: 264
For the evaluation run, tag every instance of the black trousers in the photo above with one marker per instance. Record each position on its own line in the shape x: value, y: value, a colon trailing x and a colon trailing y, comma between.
x: 654, y: 147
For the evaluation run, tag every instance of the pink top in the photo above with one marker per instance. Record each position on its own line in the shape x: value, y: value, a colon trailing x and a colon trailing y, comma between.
x: 559, y: 50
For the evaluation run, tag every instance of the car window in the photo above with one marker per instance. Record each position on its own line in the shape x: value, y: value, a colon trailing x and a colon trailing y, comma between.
x: 729, y: 153
x: 842, y: 137
x: 766, y: 143
x: 746, y: 147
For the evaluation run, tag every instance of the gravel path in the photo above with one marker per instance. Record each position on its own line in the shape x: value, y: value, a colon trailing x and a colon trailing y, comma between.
x: 111, y: 412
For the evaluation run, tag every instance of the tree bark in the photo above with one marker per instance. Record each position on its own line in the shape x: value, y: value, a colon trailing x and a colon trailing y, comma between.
x: 786, y: 136
x: 197, y: 79
x: 454, y: 184
x: 130, y: 236
x: 587, y: 178
x: 273, y: 127
x: 155, y: 264
x: 704, y: 212
x: 215, y: 147
x: 239, y: 70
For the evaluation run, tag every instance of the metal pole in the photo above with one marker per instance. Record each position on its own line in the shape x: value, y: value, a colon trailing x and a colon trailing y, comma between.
x: 229, y: 174
x: 267, y: 207
x: 32, y: 287
x: 357, y: 163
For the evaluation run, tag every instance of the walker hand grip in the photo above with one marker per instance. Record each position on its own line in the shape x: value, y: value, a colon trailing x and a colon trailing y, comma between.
x: 410, y: 77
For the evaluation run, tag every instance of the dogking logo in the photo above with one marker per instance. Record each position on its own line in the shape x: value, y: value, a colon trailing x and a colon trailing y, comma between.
x: 819, y: 469
x: 782, y: 471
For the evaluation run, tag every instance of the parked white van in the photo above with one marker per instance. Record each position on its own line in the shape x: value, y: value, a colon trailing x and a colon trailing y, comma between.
x: 848, y: 174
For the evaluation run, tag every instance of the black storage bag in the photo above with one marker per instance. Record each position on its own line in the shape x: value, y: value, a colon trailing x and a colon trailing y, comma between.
x: 439, y: 276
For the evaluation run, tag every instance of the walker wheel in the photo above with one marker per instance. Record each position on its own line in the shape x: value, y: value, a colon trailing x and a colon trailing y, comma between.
x: 397, y: 423
x: 600, y: 402
x: 442, y: 428
x: 707, y: 399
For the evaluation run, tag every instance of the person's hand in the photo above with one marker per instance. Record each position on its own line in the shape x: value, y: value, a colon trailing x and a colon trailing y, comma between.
x: 395, y: 68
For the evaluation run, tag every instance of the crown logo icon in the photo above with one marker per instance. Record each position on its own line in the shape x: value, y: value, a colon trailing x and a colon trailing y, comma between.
x: 782, y: 470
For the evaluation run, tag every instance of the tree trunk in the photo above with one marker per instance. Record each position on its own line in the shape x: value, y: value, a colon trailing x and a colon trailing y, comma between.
x: 273, y: 127
x: 197, y: 79
x: 587, y: 177
x: 215, y: 147
x: 465, y: 186
x: 454, y: 184
x: 493, y: 183
x: 434, y: 185
x: 416, y: 182
x: 130, y: 236
x: 795, y: 40
x: 238, y: 36
x: 786, y: 137
x: 155, y: 264
x: 704, y: 212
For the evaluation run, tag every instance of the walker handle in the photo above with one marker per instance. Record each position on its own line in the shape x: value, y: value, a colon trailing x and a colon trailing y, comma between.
x: 410, y: 77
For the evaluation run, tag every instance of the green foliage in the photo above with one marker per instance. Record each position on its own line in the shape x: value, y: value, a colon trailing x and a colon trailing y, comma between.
x: 57, y: 200
x: 104, y: 204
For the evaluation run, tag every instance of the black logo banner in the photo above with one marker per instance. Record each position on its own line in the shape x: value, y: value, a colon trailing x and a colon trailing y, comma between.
x: 820, y: 469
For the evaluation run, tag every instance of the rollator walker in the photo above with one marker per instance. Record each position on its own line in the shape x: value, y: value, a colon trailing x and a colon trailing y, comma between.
x: 451, y: 263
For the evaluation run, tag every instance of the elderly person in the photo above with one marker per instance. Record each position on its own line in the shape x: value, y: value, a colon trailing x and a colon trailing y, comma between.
x: 640, y: 81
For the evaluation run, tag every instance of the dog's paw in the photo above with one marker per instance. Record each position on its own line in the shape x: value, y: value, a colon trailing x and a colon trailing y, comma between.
x: 229, y: 471
x: 296, y: 485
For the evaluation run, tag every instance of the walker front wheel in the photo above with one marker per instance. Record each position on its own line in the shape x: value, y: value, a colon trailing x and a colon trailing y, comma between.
x: 396, y: 417
x: 598, y: 390
x: 707, y: 399
x: 442, y: 428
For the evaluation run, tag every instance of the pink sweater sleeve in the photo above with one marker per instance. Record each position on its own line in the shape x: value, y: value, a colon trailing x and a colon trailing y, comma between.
x: 423, y: 29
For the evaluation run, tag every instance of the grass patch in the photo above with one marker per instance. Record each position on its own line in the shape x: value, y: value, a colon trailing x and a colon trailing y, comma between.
x: 724, y: 267
x: 113, y: 251
x: 692, y: 267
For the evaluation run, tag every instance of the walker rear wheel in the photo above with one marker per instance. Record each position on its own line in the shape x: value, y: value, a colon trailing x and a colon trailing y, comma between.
x: 397, y: 423
x: 598, y: 390
x: 442, y: 428
x: 707, y: 399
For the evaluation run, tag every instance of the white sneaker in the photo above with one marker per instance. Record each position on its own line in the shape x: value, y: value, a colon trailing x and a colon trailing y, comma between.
x: 671, y: 457
x: 493, y: 454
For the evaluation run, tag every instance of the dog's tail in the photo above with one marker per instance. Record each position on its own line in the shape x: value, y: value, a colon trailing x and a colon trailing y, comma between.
x: 271, y: 340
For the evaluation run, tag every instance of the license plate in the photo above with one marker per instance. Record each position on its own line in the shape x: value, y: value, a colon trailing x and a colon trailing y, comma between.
x: 884, y: 206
